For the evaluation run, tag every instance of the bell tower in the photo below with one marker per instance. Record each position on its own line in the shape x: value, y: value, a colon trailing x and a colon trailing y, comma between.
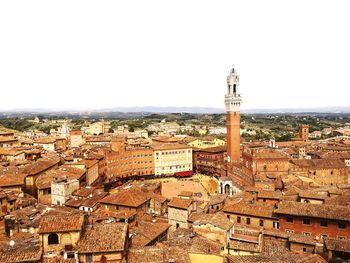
x: 233, y: 118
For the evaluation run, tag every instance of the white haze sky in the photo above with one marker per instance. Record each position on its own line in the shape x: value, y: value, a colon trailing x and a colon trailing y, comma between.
x: 101, y: 54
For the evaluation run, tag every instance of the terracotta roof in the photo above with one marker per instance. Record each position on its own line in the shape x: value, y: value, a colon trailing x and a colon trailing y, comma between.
x: 45, y: 140
x: 180, y: 203
x: 61, y: 223
x: 88, y: 163
x: 269, y: 154
x: 109, y: 237
x: 149, y: 254
x: 123, y: 214
x: 312, y: 195
x: 59, y: 260
x: 319, y: 163
x: 10, y: 151
x: 145, y: 232
x: 186, y: 193
x: 132, y: 198
x: 219, y: 220
x: 286, y: 258
x: 40, y: 165
x: 4, y: 139
x: 270, y: 194
x: 11, y: 179
x: 302, y: 239
x: 26, y: 249
x: 256, y: 209
x: 45, y: 179
x: 334, y: 212
x: 217, y: 149
x: 340, y: 245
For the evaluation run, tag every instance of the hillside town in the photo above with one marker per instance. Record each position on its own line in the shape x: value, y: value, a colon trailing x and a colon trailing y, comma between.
x: 108, y: 193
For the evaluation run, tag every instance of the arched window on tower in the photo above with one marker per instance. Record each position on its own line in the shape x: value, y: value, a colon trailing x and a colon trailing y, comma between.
x: 234, y: 88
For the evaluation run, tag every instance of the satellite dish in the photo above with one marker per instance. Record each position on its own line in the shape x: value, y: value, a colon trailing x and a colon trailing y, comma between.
x: 12, y: 243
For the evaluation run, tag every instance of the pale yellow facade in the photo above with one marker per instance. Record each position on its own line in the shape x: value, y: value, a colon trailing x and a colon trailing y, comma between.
x: 203, y: 144
x: 172, y: 160
x: 204, y: 258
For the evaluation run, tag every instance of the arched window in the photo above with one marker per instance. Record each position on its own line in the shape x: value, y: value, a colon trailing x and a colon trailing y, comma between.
x: 52, y: 239
x: 227, y: 189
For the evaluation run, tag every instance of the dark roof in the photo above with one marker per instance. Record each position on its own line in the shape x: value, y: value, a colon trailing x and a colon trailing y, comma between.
x: 255, y: 210
x: 132, y: 198
x: 110, y: 237
x: 334, y: 212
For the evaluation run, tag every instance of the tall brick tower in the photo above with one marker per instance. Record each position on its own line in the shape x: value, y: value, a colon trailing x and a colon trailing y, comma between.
x: 304, y: 132
x: 233, y: 107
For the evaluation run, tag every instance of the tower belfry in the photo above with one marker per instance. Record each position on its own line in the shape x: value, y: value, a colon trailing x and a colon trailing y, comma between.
x: 233, y: 108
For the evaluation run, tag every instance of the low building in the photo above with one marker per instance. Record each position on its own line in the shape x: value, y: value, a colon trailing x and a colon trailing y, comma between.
x: 76, y: 138
x: 179, y: 210
x: 47, y: 143
x: 256, y: 215
x: 62, y: 189
x: 132, y: 200
x: 216, y: 227
x: 59, y: 234
x: 104, y: 242
x: 317, y: 220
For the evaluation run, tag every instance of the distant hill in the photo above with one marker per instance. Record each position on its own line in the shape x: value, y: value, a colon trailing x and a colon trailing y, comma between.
x: 154, y: 109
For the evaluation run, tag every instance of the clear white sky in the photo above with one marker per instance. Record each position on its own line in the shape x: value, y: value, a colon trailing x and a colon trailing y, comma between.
x: 100, y: 54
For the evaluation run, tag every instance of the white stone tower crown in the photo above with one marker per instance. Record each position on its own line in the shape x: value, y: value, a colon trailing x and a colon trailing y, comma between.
x: 233, y: 97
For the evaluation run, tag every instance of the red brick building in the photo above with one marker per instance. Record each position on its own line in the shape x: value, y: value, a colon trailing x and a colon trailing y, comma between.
x: 318, y: 220
x: 210, y: 160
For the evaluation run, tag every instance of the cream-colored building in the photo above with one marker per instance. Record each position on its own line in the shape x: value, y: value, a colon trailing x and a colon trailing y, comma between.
x: 99, y: 128
x: 206, y: 143
x: 172, y: 158
x: 76, y: 138
x: 47, y: 143
x: 62, y: 189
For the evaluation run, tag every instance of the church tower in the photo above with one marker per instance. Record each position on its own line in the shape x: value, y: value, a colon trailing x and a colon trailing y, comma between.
x: 233, y: 107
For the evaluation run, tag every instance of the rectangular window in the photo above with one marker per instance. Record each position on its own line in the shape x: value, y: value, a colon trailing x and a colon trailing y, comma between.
x: 306, y: 221
x: 238, y: 219
x: 261, y: 222
x: 248, y: 221
x: 289, y: 219
x: 323, y: 223
x: 341, y: 225
x: 307, y: 234
x: 88, y: 258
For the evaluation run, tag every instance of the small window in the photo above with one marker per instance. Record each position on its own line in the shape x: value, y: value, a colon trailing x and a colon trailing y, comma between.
x: 52, y: 239
x: 238, y: 219
x: 307, y: 234
x: 341, y: 225
x: 304, y: 249
x: 261, y: 222
x: 88, y: 258
x: 248, y: 221
x: 306, y: 221
x: 323, y: 223
x: 289, y: 231
x: 289, y: 219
